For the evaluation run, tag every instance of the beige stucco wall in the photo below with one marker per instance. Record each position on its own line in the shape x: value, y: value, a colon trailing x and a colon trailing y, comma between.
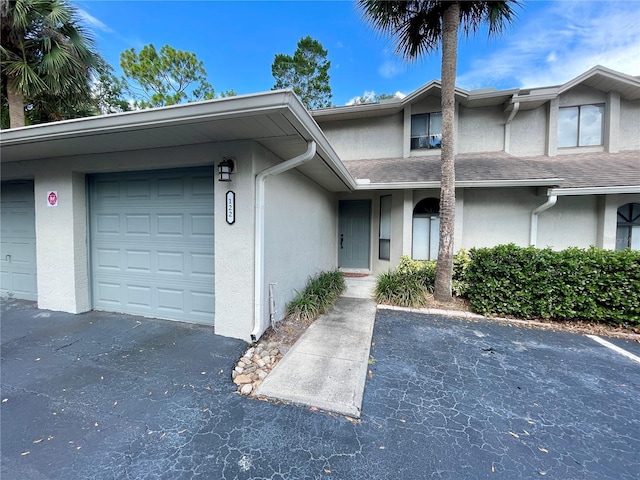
x: 300, y: 236
x: 497, y: 216
x: 572, y: 222
x: 581, y: 95
x: 528, y: 132
x: 629, y: 125
x: 374, y: 137
x: 61, y: 242
x: 480, y: 129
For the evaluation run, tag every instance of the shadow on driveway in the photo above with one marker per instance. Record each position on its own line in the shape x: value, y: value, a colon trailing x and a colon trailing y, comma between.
x: 108, y: 396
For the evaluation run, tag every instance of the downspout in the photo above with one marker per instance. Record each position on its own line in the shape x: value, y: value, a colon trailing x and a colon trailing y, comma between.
x: 533, y: 232
x: 258, y: 258
x: 507, y: 127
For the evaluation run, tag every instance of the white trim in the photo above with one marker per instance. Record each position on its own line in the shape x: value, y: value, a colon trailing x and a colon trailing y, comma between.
x: 365, y: 184
x: 594, y: 190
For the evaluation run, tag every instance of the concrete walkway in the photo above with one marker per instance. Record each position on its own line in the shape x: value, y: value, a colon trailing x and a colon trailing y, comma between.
x: 327, y: 367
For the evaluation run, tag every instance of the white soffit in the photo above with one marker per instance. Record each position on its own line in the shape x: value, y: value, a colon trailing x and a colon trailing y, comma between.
x: 277, y: 120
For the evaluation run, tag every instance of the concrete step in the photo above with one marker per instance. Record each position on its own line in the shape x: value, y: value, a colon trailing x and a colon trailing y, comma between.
x: 360, y: 287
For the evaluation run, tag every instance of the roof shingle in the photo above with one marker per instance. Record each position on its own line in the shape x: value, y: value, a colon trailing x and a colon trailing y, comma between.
x: 574, y: 170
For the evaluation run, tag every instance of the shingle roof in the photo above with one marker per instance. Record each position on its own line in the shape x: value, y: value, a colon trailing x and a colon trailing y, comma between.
x: 573, y: 171
x: 583, y: 170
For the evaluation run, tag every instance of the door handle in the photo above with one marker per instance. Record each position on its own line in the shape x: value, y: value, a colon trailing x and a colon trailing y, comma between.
x: 342, y: 240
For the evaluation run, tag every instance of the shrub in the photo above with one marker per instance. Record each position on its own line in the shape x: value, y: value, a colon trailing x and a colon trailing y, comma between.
x: 404, y: 289
x: 592, y: 284
x: 318, y: 295
x: 408, y: 285
x: 459, y: 283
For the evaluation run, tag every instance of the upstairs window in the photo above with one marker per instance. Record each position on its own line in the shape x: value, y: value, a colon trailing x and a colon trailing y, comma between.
x: 426, y: 131
x: 581, y: 126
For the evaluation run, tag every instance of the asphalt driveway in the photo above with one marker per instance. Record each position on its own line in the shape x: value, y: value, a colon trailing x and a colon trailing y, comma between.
x: 107, y: 396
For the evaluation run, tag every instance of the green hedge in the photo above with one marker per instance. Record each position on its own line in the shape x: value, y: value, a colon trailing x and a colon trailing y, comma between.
x: 593, y: 284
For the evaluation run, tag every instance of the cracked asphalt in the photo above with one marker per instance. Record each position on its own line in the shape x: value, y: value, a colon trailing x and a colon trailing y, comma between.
x: 108, y: 396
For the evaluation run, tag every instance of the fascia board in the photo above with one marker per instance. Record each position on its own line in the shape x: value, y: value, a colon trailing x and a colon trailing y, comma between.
x: 177, y: 114
x: 603, y: 71
x: 432, y: 85
x: 304, y: 123
x: 351, y: 109
x: 362, y: 185
x: 533, y: 97
x: 594, y: 190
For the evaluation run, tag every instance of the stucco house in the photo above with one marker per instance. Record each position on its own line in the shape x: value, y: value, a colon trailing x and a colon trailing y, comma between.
x: 132, y: 212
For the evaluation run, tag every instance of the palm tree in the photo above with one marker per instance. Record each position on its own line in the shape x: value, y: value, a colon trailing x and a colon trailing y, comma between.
x: 419, y: 27
x: 45, y: 54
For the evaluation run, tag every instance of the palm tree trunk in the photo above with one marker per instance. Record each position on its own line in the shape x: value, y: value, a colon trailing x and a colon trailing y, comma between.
x: 16, y: 107
x: 444, y: 269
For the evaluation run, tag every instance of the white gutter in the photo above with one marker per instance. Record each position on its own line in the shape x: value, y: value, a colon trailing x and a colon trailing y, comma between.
x: 366, y: 184
x: 595, y: 190
x: 507, y: 127
x: 258, y: 269
x: 533, y: 232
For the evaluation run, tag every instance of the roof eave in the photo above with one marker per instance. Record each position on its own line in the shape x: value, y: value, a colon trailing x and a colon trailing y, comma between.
x: 363, y: 184
x: 618, y: 189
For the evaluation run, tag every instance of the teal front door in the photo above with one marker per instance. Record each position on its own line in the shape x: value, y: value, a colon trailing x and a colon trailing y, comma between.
x: 354, y: 230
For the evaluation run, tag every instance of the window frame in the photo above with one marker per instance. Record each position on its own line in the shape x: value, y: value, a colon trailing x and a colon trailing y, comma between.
x: 384, y: 238
x: 428, y: 135
x: 578, y: 125
x: 426, y: 209
x: 629, y: 223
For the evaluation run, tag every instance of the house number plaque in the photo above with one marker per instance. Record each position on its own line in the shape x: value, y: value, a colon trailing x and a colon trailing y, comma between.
x: 231, y: 207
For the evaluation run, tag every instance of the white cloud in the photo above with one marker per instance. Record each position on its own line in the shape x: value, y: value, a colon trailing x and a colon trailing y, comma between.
x: 558, y: 43
x: 370, y: 96
x: 93, y: 22
x: 391, y: 68
x: 392, y: 64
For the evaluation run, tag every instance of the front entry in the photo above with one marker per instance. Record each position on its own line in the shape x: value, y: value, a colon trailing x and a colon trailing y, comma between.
x: 354, y: 230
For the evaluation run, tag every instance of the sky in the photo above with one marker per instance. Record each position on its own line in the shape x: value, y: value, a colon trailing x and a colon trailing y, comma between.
x: 549, y: 43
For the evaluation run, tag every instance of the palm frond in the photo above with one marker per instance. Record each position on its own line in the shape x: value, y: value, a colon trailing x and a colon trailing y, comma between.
x: 415, y: 27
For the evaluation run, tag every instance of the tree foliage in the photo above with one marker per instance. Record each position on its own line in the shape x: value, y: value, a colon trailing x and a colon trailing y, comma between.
x: 108, y: 91
x: 166, y: 77
x: 419, y: 27
x: 47, y: 58
x: 372, y: 97
x: 306, y: 72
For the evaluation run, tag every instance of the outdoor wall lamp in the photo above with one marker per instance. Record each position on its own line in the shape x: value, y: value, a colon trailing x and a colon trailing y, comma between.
x: 225, y: 169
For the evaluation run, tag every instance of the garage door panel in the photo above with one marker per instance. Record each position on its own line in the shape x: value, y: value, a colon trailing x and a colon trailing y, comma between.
x: 171, y: 187
x: 154, y: 240
x: 107, y: 224
x: 18, y: 266
x: 202, y: 225
x: 201, y: 186
x: 170, y: 224
x: 138, y: 261
x: 170, y: 263
x: 202, y: 264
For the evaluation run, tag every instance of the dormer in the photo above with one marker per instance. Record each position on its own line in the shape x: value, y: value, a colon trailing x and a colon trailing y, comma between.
x: 595, y: 112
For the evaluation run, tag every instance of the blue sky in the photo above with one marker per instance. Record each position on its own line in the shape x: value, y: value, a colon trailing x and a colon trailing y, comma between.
x: 550, y: 43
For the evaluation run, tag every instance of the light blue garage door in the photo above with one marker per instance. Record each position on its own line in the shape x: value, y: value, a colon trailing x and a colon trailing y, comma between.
x: 152, y: 243
x: 18, y: 236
